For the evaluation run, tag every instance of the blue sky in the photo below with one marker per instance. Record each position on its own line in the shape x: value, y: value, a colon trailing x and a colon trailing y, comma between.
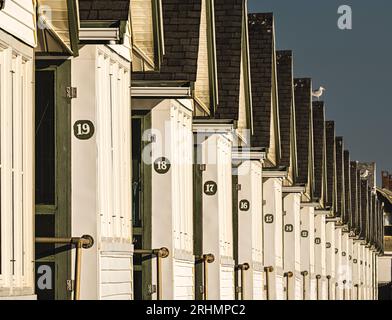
x: 354, y: 65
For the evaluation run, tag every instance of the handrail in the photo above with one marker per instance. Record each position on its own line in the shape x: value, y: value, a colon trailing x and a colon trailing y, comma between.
x: 84, y: 242
x: 160, y: 254
x: 242, y: 268
x: 288, y: 276
x: 267, y: 271
x: 344, y: 289
x: 329, y: 287
x: 206, y: 259
x: 357, y: 286
x: 304, y: 275
x: 318, y: 278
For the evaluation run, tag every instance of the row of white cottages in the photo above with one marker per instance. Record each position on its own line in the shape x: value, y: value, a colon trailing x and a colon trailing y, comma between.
x: 161, y: 149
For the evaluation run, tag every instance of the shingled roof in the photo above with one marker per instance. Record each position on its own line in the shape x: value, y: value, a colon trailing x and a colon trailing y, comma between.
x: 340, y: 177
x: 303, y: 110
x: 228, y: 27
x: 319, y: 148
x: 355, y: 195
x: 103, y: 10
x: 284, y: 61
x: 181, y: 20
x: 262, y: 51
x: 347, y: 187
x: 331, y: 164
x: 364, y: 208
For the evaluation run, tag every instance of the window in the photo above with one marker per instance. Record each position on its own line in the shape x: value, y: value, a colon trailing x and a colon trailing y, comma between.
x: 16, y: 172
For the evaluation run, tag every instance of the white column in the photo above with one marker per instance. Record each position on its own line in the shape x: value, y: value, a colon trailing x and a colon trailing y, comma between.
x: 320, y: 256
x: 250, y: 229
x: 330, y: 259
x: 338, y: 265
x: 292, y: 244
x: 307, y: 251
x: 217, y: 216
x: 273, y: 236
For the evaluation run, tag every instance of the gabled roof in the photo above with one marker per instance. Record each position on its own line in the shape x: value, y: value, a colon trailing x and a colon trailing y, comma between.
x: 347, y: 187
x: 304, y: 125
x: 262, y: 51
x: 331, y: 164
x: 364, y: 208
x: 181, y: 22
x: 228, y: 32
x: 340, y: 177
x: 355, y: 195
x: 104, y: 10
x: 386, y: 197
x: 319, y: 148
x: 284, y: 61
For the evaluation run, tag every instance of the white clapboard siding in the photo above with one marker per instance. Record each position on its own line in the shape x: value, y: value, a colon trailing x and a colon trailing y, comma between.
x: 298, y: 289
x: 183, y: 280
x: 280, y: 285
x: 116, y: 280
x: 226, y: 281
x: 18, y: 19
x: 258, y: 285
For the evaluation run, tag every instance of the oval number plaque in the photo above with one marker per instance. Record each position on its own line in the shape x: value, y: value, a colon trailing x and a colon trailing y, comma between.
x: 84, y: 129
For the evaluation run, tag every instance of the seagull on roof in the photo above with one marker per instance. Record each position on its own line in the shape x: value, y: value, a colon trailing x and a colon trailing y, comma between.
x: 365, y: 174
x: 318, y: 93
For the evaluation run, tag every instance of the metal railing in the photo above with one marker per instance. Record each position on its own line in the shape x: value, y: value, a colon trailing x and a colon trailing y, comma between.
x: 85, y: 242
x: 206, y: 259
x: 243, y: 268
x: 318, y: 278
x: 267, y: 271
x: 288, y: 276
x: 160, y: 254
x: 304, y: 274
x: 329, y: 286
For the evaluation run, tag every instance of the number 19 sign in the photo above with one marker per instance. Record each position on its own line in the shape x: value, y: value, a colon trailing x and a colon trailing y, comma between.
x: 84, y: 129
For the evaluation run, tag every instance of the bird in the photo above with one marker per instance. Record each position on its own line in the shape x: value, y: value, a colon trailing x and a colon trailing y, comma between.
x: 318, y: 93
x: 365, y: 174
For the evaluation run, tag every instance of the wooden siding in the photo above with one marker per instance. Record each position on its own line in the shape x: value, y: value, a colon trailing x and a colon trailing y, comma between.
x: 143, y: 30
x: 18, y: 19
x: 116, y: 281
x: 202, y: 86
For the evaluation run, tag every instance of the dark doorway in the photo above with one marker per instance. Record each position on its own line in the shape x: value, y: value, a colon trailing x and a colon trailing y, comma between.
x: 52, y: 172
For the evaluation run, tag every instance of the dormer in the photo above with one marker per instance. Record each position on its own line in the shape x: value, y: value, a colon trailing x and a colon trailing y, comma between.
x: 58, y: 27
x: 304, y: 125
x: 206, y: 86
x: 320, y: 152
x: 288, y: 131
x: 266, y: 127
x: 179, y: 43
x: 340, y: 200
x: 233, y: 68
x: 331, y: 197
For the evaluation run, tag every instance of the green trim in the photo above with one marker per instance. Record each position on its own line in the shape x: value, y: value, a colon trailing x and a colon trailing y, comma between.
x: 198, y: 223
x: 235, y: 230
x: 159, y: 36
x: 73, y: 22
x: 212, y: 60
x: 62, y: 208
x: 246, y: 68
